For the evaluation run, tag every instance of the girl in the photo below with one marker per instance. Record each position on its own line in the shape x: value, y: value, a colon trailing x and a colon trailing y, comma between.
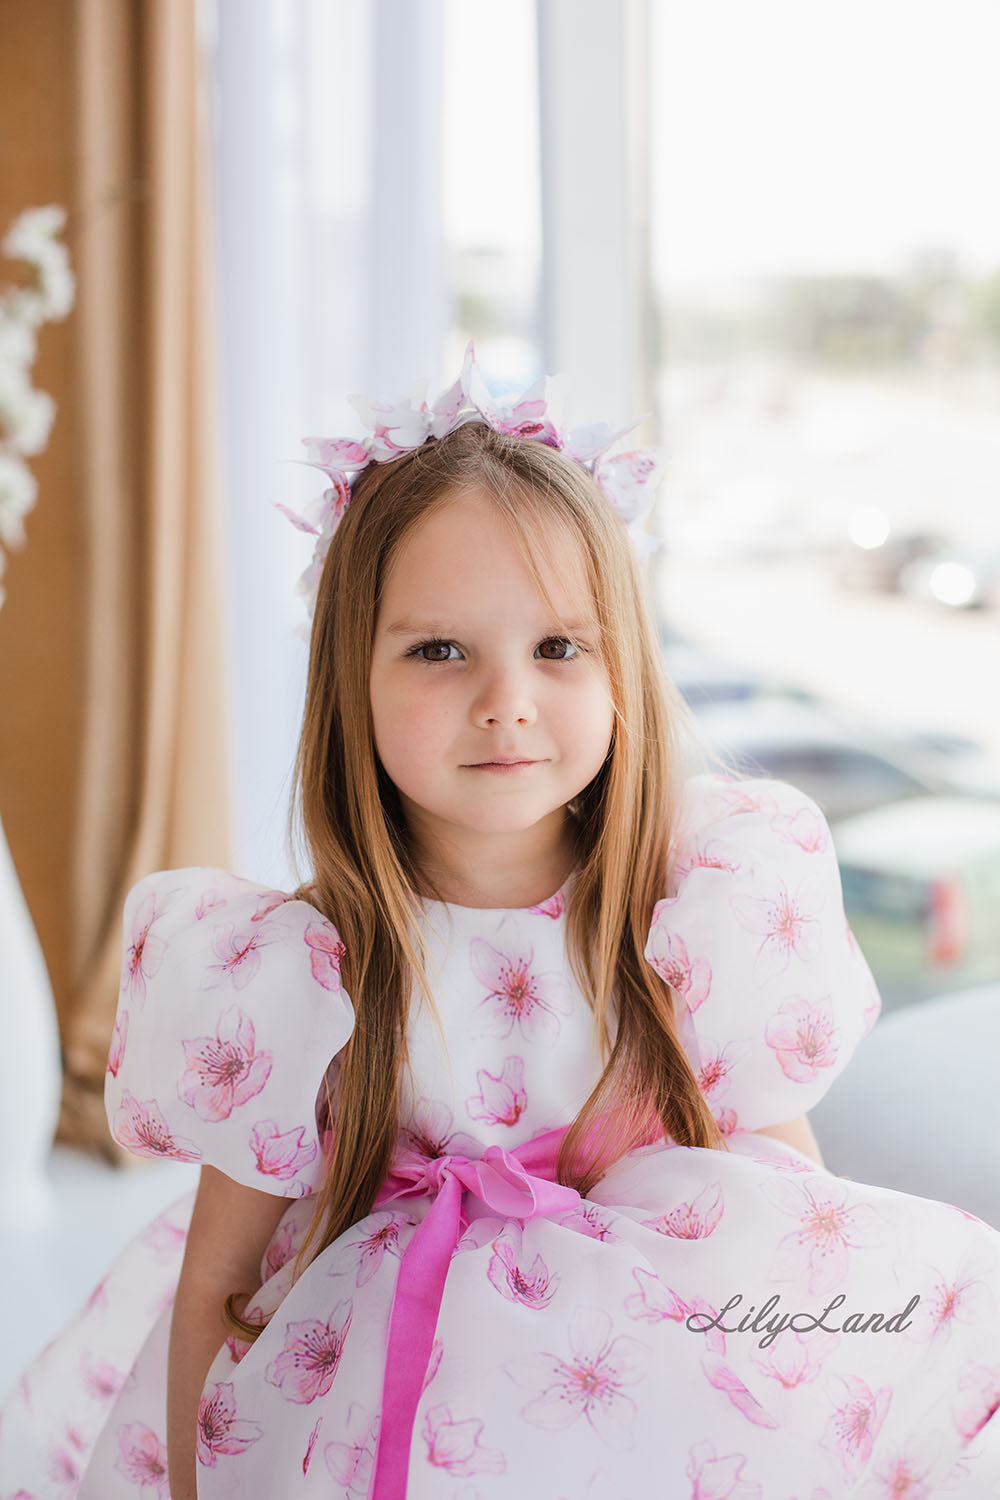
x: 506, y: 1185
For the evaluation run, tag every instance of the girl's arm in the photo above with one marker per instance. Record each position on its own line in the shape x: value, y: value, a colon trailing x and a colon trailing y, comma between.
x: 797, y: 1133
x: 230, y: 1228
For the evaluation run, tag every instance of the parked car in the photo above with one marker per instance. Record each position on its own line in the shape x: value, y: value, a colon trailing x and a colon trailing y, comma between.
x: 921, y: 882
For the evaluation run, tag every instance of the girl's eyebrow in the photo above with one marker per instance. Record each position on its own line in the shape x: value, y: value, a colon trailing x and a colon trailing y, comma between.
x: 437, y: 627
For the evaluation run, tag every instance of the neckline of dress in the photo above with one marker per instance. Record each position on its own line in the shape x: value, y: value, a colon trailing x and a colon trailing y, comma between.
x: 534, y: 910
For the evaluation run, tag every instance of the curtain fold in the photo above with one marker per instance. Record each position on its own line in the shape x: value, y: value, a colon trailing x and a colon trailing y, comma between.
x: 148, y: 743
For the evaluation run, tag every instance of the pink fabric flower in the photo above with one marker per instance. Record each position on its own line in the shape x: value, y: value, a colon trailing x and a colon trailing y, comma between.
x: 534, y: 1288
x: 829, y: 1225
x: 982, y: 1401
x: 726, y: 1380
x: 596, y: 1223
x: 208, y: 901
x: 238, y: 953
x: 716, y: 1065
x: 590, y: 1384
x: 381, y: 1237
x: 143, y: 1460
x: 280, y: 1251
x: 102, y: 1381
x: 118, y: 1041
x: 455, y: 1446
x: 307, y: 1456
x: 792, y: 1360
x: 431, y: 1132
x: 788, y: 923
x: 223, y: 1071
x: 959, y: 1296
x: 307, y: 1364
x: 854, y: 1425
x: 655, y: 1301
x: 281, y: 1155
x: 164, y: 1238
x: 219, y: 1429
x: 807, y: 828
x: 714, y: 1478
x: 710, y: 855
x: 325, y: 953
x: 350, y: 1462
x: 694, y: 1220
x: 144, y: 954
x: 553, y: 907
x: 501, y: 1099
x: 141, y: 1129
x: 908, y: 1473
x: 804, y: 1036
x: 517, y: 995
x: 668, y: 954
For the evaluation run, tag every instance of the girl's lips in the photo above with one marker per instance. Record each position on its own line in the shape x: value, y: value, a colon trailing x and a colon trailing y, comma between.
x: 504, y: 766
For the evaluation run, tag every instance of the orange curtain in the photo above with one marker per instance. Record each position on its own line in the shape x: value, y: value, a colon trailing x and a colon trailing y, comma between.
x: 115, y: 739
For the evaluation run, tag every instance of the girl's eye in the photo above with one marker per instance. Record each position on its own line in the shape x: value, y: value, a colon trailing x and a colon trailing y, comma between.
x: 570, y: 650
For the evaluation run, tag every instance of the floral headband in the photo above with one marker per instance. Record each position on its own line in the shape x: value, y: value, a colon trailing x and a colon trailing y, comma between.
x: 626, y: 479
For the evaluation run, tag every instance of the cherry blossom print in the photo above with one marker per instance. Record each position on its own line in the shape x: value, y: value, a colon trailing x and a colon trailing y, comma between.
x: 165, y: 1238
x: 142, y: 1129
x: 830, y: 1224
x: 534, y: 1287
x: 715, y: 1477
x: 857, y: 1417
x: 948, y: 1299
x: 433, y: 1363
x: 207, y: 902
x: 143, y: 1460
x: 792, y: 1359
x: 101, y: 1381
x: 726, y: 1380
x: 694, y: 1220
x: 280, y: 1251
x: 307, y: 1364
x: 144, y: 953
x: 225, y: 1070
x: 668, y: 954
x: 64, y: 1466
x: 517, y: 994
x: 501, y: 1099
x: 981, y: 1385
x: 806, y: 827
x: 431, y: 1132
x: 326, y: 953
x: 267, y: 902
x: 590, y: 1383
x: 381, y: 1238
x: 589, y: 1219
x: 118, y: 1041
x: 787, y: 921
x: 281, y: 1154
x: 553, y: 907
x: 711, y: 855
x: 785, y: 1163
x: 456, y: 1446
x: 804, y: 1037
x: 350, y: 1461
x: 715, y: 1067
x: 220, y: 1430
x: 307, y: 1456
x: 908, y: 1473
x: 238, y: 1347
x: 727, y: 1120
x: 655, y: 1301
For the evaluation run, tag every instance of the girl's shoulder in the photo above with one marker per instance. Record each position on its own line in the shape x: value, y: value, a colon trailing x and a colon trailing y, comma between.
x: 230, y: 1009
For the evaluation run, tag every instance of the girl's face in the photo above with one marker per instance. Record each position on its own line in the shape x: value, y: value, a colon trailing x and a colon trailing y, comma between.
x: 469, y: 666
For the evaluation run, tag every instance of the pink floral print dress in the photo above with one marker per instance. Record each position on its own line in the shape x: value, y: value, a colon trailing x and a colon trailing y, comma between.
x: 706, y: 1325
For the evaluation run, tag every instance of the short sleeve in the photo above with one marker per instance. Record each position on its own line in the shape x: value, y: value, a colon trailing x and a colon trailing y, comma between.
x: 773, y: 993
x: 229, y: 1013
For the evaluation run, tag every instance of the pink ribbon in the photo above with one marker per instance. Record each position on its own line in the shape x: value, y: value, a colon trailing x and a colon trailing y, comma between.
x: 518, y: 1184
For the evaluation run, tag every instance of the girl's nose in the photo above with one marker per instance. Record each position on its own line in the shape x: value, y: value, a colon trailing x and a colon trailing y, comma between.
x: 505, y: 698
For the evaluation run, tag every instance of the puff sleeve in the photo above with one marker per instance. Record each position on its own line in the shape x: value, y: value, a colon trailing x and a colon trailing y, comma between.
x: 773, y: 993
x: 229, y: 1013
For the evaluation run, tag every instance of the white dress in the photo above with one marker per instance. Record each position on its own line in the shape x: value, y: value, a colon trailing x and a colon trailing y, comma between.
x: 638, y: 1343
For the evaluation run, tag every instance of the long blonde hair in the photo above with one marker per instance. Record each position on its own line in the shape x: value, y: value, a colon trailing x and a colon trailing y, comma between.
x: 365, y: 874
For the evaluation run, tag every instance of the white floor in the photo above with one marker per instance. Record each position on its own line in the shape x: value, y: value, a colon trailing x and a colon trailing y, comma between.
x: 52, y: 1267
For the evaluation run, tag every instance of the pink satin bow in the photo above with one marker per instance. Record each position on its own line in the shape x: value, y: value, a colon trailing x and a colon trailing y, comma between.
x: 518, y: 1184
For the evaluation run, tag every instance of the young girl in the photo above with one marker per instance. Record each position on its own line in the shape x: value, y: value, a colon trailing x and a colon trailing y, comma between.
x: 506, y: 1185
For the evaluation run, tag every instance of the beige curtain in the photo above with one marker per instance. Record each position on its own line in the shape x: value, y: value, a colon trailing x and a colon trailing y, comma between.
x: 115, y: 736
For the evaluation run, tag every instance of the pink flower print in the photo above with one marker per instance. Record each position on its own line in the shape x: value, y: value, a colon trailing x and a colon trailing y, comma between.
x: 668, y: 954
x: 238, y: 953
x: 143, y: 1460
x: 982, y: 1382
x: 726, y: 1380
x: 788, y: 923
x: 715, y: 1478
x: 804, y: 1037
x: 307, y: 1364
x: 219, y: 1430
x: 164, y: 1238
x: 501, y: 1100
x: 144, y: 953
x: 534, y: 1288
x: 381, y: 1237
x: 716, y: 1065
x: 727, y: 1120
x: 553, y: 907
x: 223, y: 1071
x: 455, y: 1446
x: 906, y: 1474
x: 853, y: 1427
x: 307, y: 1456
x: 590, y: 1384
x: 805, y: 828
x: 433, y: 1363
x: 325, y: 953
x: 517, y: 994
x: 267, y: 902
x: 596, y: 1223
x: 694, y: 1220
x: 117, y: 1051
x: 280, y: 1251
x: 792, y: 1360
x: 101, y: 1381
x: 711, y: 855
x: 655, y: 1301
x: 63, y: 1467
x: 830, y: 1224
x: 239, y: 1347
x: 431, y: 1133
x: 209, y: 900
x: 281, y: 1155
x: 350, y: 1462
x: 962, y: 1297
x: 141, y: 1129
